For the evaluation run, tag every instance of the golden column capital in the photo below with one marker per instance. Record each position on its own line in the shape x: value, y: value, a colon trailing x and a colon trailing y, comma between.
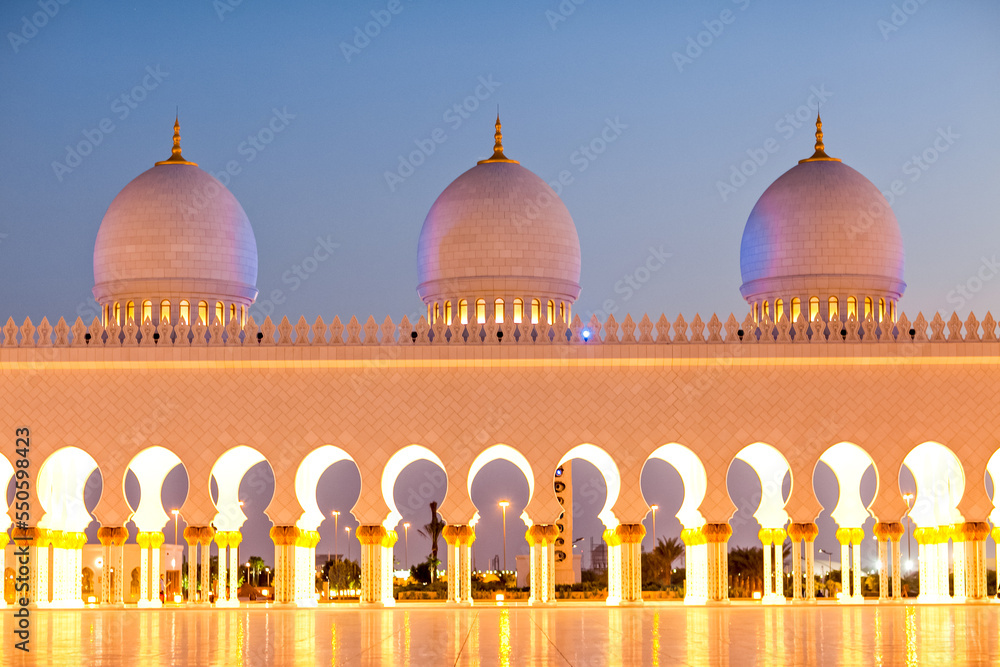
x: 717, y: 532
x: 371, y: 535
x: 630, y: 533
x: 284, y: 536
x: 541, y: 534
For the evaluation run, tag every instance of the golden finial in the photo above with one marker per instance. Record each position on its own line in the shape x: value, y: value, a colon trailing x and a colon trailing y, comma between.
x: 820, y: 154
x: 498, y: 155
x: 175, y: 152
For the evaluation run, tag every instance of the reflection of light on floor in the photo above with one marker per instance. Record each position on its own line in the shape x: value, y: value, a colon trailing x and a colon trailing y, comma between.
x: 656, y: 639
x: 406, y: 635
x: 504, y: 631
x: 878, y: 638
x: 334, y: 644
x: 911, y: 636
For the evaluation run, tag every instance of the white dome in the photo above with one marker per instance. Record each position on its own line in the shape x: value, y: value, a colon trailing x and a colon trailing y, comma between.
x: 498, y: 231
x: 822, y: 229
x: 175, y: 232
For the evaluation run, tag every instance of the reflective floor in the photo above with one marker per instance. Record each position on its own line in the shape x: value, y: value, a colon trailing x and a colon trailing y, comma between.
x: 570, y: 634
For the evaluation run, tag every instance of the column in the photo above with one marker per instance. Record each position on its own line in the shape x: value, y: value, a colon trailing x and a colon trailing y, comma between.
x: 119, y: 536
x: 631, y: 535
x: 976, y: 533
x: 857, y: 536
x: 235, y: 537
x: 303, y: 557
x: 778, y: 540
x: 372, y: 553
x: 614, y: 542
x: 205, y: 536
x: 388, y: 577
x: 844, y: 537
x: 696, y: 566
x: 191, y: 534
x: 764, y: 534
x: 221, y: 582
x: 142, y: 539
x: 941, y: 546
x: 795, y: 533
x: 717, y: 536
x: 958, y: 536
x: 881, y: 532
x: 155, y: 542
x: 4, y: 540
x: 74, y: 542
x: 105, y: 537
x: 59, y: 582
x: 542, y: 558
x: 928, y: 583
x: 810, y: 531
x: 284, y: 538
x: 896, y: 532
x: 459, y: 538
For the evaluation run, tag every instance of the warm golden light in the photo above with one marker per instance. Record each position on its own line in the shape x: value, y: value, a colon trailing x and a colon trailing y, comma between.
x: 504, y: 504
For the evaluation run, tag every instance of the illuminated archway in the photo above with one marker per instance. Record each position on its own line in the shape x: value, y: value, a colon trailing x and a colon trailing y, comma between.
x: 395, y: 465
x: 151, y: 467
x: 307, y: 480
x: 503, y: 453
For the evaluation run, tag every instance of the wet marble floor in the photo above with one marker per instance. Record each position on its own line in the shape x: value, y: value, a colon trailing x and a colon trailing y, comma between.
x: 569, y: 634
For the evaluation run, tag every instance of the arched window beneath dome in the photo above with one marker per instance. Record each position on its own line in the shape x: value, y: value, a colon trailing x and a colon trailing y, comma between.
x: 562, y: 312
x: 130, y: 312
x: 892, y: 310
x: 852, y: 307
x: 834, y: 309
x: 147, y: 311
x: 518, y: 311
x: 116, y: 313
x: 220, y: 312
x: 552, y: 311
x: 881, y: 309
x: 753, y: 311
x: 203, y: 312
x: 185, y: 312
x: 233, y: 313
x: 463, y: 311
x: 779, y: 309
x: 164, y: 312
x: 498, y: 311
x: 481, y: 311
x: 536, y: 311
x: 813, y: 308
x: 243, y: 316
x: 447, y: 313
x: 868, y: 307
x: 796, y: 309
x: 767, y: 311
x: 437, y: 313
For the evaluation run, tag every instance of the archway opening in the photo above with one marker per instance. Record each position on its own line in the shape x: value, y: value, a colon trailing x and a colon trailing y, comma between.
x: 500, y: 490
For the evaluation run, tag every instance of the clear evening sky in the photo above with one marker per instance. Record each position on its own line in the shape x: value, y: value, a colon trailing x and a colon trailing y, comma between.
x: 339, y: 140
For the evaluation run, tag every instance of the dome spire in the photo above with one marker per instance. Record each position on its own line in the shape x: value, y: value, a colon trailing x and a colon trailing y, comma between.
x: 175, y: 152
x: 820, y: 154
x: 498, y: 155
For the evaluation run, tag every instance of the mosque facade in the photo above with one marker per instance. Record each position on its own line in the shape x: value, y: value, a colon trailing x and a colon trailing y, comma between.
x: 823, y: 366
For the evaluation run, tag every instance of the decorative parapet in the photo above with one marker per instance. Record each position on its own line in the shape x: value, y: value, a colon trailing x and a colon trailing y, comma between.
x: 610, y: 332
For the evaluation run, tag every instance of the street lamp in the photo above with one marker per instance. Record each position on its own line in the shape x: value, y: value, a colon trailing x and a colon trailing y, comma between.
x: 175, y: 513
x: 347, y: 529
x: 829, y: 562
x: 267, y: 575
x: 336, y: 533
x: 406, y: 544
x: 248, y: 572
x: 503, y: 508
x: 654, y: 508
x: 909, y: 524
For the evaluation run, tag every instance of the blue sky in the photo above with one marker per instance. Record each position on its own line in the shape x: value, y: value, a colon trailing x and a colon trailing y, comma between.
x: 692, y: 89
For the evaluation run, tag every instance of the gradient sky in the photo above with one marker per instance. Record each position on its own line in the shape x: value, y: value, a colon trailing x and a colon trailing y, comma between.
x: 892, y: 84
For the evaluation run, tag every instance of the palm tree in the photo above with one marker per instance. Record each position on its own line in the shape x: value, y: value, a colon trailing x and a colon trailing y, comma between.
x: 432, y: 531
x: 664, y: 554
x: 256, y: 565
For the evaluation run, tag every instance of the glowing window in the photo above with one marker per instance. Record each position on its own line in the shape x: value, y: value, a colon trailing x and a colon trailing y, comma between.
x: 552, y: 311
x: 481, y: 311
x: 868, y: 307
x: 881, y: 309
x: 117, y: 313
x: 165, y: 311
x: 430, y: 312
x: 232, y: 312
x: 243, y: 316
x: 147, y: 311
x: 813, y: 308
x: 536, y: 310
x: 463, y: 311
x: 447, y: 312
x: 562, y: 311
x: 779, y: 309
x: 753, y: 311
x: 852, y: 307
x: 834, y: 311
x: 892, y: 311
x: 518, y: 311
x: 498, y: 311
x: 796, y: 309
x: 129, y: 312
x: 203, y: 311
x: 767, y: 310
x: 185, y: 312
x: 220, y: 312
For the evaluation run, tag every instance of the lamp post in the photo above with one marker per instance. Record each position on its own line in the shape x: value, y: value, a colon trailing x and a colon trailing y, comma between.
x: 267, y: 576
x: 347, y: 529
x: 654, y: 508
x: 248, y: 572
x: 504, y: 504
x: 406, y: 544
x: 909, y: 524
x: 336, y: 533
x: 829, y: 562
x: 175, y: 513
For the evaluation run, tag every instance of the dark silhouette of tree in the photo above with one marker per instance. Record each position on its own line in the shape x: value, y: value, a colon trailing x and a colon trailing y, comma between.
x: 432, y: 531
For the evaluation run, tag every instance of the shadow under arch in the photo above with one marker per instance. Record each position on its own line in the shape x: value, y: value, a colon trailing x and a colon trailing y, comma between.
x: 151, y: 466
x: 228, y: 472
x: 397, y: 462
x: 609, y: 471
x: 501, y: 452
x: 307, y: 479
x: 61, y: 480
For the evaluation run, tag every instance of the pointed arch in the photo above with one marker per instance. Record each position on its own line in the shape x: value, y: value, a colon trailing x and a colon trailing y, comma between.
x: 608, y: 469
x: 511, y: 455
x: 397, y: 462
